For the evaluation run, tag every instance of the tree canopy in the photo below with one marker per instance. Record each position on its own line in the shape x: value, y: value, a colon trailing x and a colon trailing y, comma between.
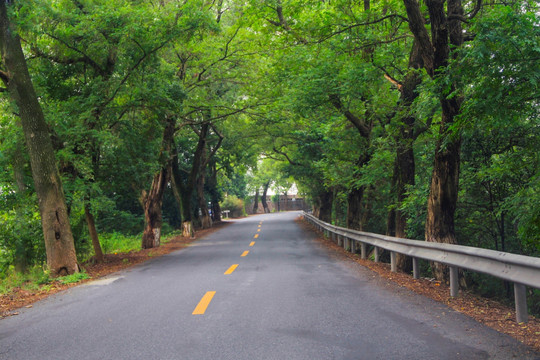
x: 414, y: 119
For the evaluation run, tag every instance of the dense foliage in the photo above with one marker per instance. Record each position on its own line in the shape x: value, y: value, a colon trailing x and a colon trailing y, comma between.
x: 161, y: 111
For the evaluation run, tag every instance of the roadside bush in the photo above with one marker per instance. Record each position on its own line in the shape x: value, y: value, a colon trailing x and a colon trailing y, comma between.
x: 234, y: 205
x: 119, y: 243
x: 21, y: 236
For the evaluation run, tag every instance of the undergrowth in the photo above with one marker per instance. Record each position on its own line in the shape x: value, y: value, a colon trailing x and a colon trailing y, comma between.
x: 35, y: 279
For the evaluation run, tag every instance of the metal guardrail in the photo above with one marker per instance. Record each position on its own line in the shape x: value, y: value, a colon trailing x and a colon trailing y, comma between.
x: 521, y: 270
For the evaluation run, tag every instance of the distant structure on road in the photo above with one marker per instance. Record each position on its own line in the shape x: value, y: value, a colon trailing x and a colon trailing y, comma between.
x: 280, y: 203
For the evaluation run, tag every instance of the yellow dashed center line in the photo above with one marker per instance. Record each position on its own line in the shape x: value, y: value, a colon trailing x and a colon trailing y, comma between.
x: 203, y: 304
x: 258, y: 230
x: 256, y: 236
x: 245, y: 253
x: 259, y: 226
x: 231, y: 269
x: 252, y: 243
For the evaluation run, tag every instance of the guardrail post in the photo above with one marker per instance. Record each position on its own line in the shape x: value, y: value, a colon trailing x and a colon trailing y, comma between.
x: 393, y: 262
x: 520, y: 295
x: 346, y: 242
x: 363, y: 251
x: 376, y: 251
x: 353, y: 245
x: 415, y: 268
x: 454, y: 281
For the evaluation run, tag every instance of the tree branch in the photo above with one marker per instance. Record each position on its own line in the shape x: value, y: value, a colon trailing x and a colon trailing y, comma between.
x: 356, y: 121
x: 470, y: 16
x: 418, y: 28
x: 284, y: 24
x: 294, y: 163
x: 362, y: 24
x: 215, y: 149
x: 85, y: 58
x: 4, y: 76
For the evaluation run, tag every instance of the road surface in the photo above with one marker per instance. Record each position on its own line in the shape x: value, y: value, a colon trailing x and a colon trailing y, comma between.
x: 261, y: 288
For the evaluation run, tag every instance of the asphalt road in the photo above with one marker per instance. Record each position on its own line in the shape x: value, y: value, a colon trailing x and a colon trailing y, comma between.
x: 286, y: 299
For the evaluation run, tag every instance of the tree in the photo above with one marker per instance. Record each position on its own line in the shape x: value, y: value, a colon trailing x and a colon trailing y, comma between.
x: 446, y: 33
x: 61, y: 257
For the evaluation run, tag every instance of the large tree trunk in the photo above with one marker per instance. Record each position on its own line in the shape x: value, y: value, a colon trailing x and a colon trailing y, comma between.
x: 263, y: 198
x: 256, y: 202
x: 354, y: 208
x: 367, y: 207
x: 153, y: 200
x: 406, y: 170
x: 442, y: 198
x: 93, y: 233
x: 187, y: 187
x: 185, y: 192
x: 356, y: 195
x: 59, y: 244
x: 214, y: 194
x: 187, y: 225
x: 325, y: 210
x: 206, y: 220
x: 176, y: 190
x: 405, y: 165
x: 435, y: 53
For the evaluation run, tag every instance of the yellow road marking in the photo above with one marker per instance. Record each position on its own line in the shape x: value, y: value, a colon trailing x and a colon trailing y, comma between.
x: 245, y: 253
x: 203, y: 304
x: 252, y: 243
x: 256, y: 236
x: 259, y: 226
x: 258, y: 230
x: 231, y: 269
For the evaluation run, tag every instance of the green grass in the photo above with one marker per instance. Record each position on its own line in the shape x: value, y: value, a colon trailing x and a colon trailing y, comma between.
x: 35, y: 279
x: 31, y: 280
x: 73, y: 278
x: 114, y: 243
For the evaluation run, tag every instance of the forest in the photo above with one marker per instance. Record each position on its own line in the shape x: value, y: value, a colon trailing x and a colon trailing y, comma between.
x: 125, y: 121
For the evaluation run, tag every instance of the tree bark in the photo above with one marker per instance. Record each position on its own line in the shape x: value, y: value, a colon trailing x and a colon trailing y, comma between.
x: 93, y: 233
x: 59, y: 244
x: 364, y: 127
x: 214, y: 194
x: 354, y: 208
x: 325, y: 209
x: 176, y: 188
x: 405, y: 164
x: 206, y: 220
x: 356, y: 195
x: 186, y: 186
x: 263, y: 198
x: 256, y: 202
x: 153, y: 200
